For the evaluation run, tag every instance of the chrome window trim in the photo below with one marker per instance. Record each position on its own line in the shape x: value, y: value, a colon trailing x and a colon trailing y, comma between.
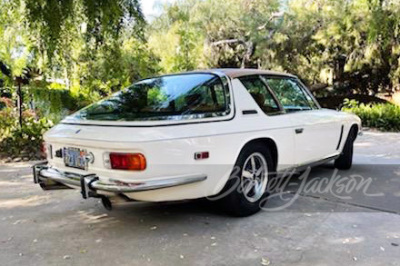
x: 278, y: 103
x: 302, y: 87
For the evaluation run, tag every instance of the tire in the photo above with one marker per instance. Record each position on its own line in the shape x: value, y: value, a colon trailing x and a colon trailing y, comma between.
x: 345, y: 160
x: 245, y: 191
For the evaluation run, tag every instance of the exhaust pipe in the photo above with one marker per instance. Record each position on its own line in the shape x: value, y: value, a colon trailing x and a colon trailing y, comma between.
x: 106, y: 203
x: 109, y: 201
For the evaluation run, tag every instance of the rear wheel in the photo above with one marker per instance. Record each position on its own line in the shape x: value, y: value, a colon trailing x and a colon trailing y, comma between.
x: 345, y: 160
x: 245, y: 190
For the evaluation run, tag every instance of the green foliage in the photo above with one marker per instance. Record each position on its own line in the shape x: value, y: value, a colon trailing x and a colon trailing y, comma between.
x: 210, y: 33
x: 6, y: 116
x: 85, y: 49
x: 114, y: 66
x: 53, y: 20
x: 381, y: 116
x: 26, y: 141
x: 56, y: 103
x: 352, y: 46
x: 180, y: 45
x: 15, y: 45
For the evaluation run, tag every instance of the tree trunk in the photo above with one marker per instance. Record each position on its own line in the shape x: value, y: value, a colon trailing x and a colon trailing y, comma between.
x: 19, y: 103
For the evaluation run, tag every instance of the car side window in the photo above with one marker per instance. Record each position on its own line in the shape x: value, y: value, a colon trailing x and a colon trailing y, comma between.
x: 292, y: 97
x: 260, y: 93
x: 205, y: 98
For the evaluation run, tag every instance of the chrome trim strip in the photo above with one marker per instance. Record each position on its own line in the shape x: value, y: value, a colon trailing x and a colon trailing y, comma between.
x: 149, y: 185
x: 304, y: 166
x: 117, y: 186
x: 340, y: 138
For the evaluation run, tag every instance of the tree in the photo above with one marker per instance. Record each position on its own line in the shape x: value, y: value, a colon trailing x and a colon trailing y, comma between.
x: 351, y: 46
x: 52, y: 19
x: 15, y: 49
x: 176, y: 40
x: 92, y: 47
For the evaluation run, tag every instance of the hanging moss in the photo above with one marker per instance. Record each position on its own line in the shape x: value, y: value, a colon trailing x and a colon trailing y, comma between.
x: 56, y: 103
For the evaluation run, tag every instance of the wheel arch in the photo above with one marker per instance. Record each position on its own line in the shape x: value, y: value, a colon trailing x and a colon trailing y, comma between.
x: 269, y: 143
x: 353, y: 132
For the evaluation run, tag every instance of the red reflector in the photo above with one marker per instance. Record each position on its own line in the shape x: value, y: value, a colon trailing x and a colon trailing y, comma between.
x: 43, y: 147
x: 201, y: 155
x: 128, y: 161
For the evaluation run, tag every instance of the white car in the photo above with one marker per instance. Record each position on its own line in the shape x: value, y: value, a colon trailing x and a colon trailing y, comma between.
x: 221, y: 132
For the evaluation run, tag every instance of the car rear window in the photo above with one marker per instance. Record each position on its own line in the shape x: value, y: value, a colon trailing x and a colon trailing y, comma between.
x: 172, y: 97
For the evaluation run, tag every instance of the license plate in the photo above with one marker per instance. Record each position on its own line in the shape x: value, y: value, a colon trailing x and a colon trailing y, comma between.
x: 75, y: 157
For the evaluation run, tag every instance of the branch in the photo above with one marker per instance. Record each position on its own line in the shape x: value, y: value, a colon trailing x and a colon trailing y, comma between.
x: 249, y: 48
x: 318, y: 86
x: 272, y: 17
x: 228, y: 42
x: 248, y: 53
x: 4, y: 69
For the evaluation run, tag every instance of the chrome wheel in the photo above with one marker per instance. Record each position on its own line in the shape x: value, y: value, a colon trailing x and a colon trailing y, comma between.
x: 254, y: 177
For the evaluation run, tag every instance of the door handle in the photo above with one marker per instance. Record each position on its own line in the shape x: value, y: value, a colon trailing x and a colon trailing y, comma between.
x: 299, y: 130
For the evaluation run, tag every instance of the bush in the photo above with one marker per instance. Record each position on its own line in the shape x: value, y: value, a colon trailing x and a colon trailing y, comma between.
x: 6, y: 115
x: 383, y: 116
x: 25, y: 141
x: 336, y: 101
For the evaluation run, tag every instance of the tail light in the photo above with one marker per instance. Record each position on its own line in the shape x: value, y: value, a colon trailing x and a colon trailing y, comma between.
x: 46, y: 150
x: 128, y: 161
x: 43, y: 149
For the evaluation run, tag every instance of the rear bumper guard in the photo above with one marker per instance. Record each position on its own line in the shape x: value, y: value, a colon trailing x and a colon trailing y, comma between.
x: 51, y: 178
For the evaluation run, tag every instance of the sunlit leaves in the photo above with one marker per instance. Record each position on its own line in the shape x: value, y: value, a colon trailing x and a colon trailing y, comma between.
x: 336, y: 42
x: 97, y: 19
x: 180, y: 47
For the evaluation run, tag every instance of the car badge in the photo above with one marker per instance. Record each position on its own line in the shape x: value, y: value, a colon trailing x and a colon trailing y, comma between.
x: 89, y: 157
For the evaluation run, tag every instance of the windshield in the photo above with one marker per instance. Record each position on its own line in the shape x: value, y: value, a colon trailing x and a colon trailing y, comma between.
x: 175, y: 97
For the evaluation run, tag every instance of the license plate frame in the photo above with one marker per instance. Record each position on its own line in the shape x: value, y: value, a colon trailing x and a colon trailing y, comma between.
x: 75, y: 158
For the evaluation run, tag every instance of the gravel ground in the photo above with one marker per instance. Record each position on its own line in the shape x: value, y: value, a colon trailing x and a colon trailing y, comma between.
x: 318, y: 228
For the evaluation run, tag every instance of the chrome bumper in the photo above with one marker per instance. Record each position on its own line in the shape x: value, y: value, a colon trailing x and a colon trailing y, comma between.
x: 48, y: 177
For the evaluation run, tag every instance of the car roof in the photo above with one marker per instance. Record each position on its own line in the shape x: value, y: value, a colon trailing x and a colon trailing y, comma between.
x: 241, y: 72
x: 232, y: 72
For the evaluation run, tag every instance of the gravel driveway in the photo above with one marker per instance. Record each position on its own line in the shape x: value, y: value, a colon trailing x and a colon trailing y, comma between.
x: 329, y: 227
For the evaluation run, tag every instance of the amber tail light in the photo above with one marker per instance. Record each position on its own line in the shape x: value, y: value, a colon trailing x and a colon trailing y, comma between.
x: 128, y: 161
